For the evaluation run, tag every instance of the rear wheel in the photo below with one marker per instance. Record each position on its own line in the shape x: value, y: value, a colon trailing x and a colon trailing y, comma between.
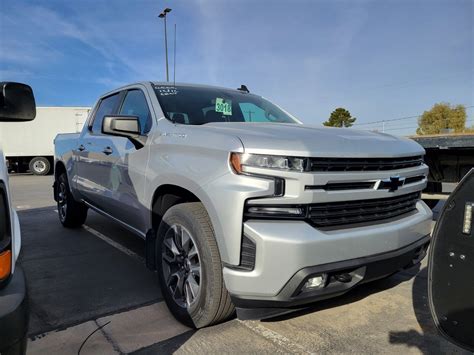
x: 72, y: 214
x: 39, y: 166
x: 190, y: 267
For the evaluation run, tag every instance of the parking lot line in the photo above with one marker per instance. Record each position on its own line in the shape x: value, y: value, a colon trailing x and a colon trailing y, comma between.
x: 113, y: 243
x: 22, y: 207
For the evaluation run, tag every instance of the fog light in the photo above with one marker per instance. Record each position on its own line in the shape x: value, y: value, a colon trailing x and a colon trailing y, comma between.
x: 466, y: 229
x: 315, y: 282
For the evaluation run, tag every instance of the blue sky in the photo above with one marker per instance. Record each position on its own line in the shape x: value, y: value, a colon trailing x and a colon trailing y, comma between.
x: 379, y: 59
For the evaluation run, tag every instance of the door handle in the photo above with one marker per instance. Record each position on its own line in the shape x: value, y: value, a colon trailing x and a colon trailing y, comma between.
x: 107, y: 151
x: 81, y: 148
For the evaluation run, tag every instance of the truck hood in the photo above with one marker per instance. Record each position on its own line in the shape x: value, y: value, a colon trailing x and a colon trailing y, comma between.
x: 305, y: 140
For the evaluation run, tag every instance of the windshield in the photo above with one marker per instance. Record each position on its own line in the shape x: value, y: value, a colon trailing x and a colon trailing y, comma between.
x: 201, y: 105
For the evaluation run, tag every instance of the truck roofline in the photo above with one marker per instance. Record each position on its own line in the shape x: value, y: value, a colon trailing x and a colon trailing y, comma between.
x: 164, y: 83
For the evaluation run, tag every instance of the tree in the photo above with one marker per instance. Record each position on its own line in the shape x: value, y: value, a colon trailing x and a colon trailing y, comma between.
x: 340, y: 117
x: 442, y: 116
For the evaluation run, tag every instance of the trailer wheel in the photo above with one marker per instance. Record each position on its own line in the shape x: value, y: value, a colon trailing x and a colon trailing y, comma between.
x: 39, y: 166
x: 433, y: 187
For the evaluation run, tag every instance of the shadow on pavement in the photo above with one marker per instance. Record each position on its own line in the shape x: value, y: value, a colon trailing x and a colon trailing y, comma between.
x: 168, y: 346
x: 429, y: 341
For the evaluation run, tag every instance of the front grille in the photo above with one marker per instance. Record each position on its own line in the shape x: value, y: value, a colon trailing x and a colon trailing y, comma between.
x: 413, y: 179
x: 364, y: 185
x: 340, y: 186
x: 360, y: 211
x: 363, y: 164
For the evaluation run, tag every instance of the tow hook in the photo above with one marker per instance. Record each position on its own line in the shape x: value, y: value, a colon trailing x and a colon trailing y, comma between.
x: 344, y: 278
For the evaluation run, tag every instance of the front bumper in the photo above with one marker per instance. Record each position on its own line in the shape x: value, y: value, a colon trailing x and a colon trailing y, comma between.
x: 14, y: 314
x: 361, y: 270
x: 285, y: 248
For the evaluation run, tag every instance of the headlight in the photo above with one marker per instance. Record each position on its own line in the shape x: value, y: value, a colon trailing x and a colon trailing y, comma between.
x: 239, y: 161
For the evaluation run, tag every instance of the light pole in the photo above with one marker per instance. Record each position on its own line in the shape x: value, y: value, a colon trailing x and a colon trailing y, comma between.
x: 163, y: 16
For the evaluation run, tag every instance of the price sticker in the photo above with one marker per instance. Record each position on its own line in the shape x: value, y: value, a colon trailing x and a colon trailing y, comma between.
x: 224, y: 106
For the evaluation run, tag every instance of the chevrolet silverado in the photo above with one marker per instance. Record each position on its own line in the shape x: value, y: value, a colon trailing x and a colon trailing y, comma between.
x: 241, y: 206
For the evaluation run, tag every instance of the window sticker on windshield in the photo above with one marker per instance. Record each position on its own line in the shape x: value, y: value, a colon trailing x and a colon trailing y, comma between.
x: 223, y: 106
x: 166, y: 90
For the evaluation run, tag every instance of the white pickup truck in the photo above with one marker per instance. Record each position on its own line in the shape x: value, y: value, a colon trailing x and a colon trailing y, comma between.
x: 17, y: 104
x: 241, y: 205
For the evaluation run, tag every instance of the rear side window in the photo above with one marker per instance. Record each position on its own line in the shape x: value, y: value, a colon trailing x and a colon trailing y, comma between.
x: 135, y: 105
x: 106, y: 107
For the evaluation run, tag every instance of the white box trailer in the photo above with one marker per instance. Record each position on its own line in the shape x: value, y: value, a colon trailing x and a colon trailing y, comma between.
x: 28, y: 146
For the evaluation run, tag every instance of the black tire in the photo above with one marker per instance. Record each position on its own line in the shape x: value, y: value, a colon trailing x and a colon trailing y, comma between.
x: 39, y: 166
x: 433, y: 187
x: 212, y: 304
x: 72, y: 214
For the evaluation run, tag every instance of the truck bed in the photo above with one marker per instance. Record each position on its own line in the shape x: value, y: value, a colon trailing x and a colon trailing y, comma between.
x: 449, y: 156
x: 448, y: 141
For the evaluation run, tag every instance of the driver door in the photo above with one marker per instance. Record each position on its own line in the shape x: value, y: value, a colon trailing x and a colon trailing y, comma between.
x: 128, y: 163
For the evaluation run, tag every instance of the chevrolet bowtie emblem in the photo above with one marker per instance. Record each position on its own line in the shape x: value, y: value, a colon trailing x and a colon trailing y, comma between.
x: 393, y: 183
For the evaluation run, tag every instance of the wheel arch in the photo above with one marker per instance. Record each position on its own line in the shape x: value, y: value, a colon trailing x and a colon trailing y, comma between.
x: 164, y: 197
x: 59, y: 168
x: 167, y: 196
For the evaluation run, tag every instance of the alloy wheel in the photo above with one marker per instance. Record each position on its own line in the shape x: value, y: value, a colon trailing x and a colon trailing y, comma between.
x: 62, y: 201
x: 181, y: 265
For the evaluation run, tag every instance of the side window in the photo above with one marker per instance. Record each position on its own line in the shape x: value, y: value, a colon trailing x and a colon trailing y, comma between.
x: 106, y: 107
x: 135, y: 105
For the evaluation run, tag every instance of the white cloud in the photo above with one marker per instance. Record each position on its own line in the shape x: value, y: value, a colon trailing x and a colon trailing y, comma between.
x: 34, y: 37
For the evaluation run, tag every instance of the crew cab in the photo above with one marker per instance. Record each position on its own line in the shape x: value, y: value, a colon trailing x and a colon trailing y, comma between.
x: 240, y: 204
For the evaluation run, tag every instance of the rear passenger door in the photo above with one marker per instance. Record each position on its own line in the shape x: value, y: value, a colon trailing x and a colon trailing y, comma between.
x: 93, y: 162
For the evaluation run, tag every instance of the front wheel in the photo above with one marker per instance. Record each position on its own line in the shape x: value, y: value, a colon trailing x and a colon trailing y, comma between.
x: 190, y: 267
x: 72, y: 214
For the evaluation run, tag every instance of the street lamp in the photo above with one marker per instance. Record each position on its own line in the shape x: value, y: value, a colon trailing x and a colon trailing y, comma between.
x: 163, y: 16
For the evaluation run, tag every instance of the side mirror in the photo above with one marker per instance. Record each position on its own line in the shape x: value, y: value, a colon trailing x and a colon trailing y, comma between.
x: 451, y: 267
x: 17, y: 102
x: 124, y: 126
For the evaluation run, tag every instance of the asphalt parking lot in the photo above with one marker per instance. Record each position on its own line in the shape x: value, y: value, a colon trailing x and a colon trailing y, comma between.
x: 94, y: 281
